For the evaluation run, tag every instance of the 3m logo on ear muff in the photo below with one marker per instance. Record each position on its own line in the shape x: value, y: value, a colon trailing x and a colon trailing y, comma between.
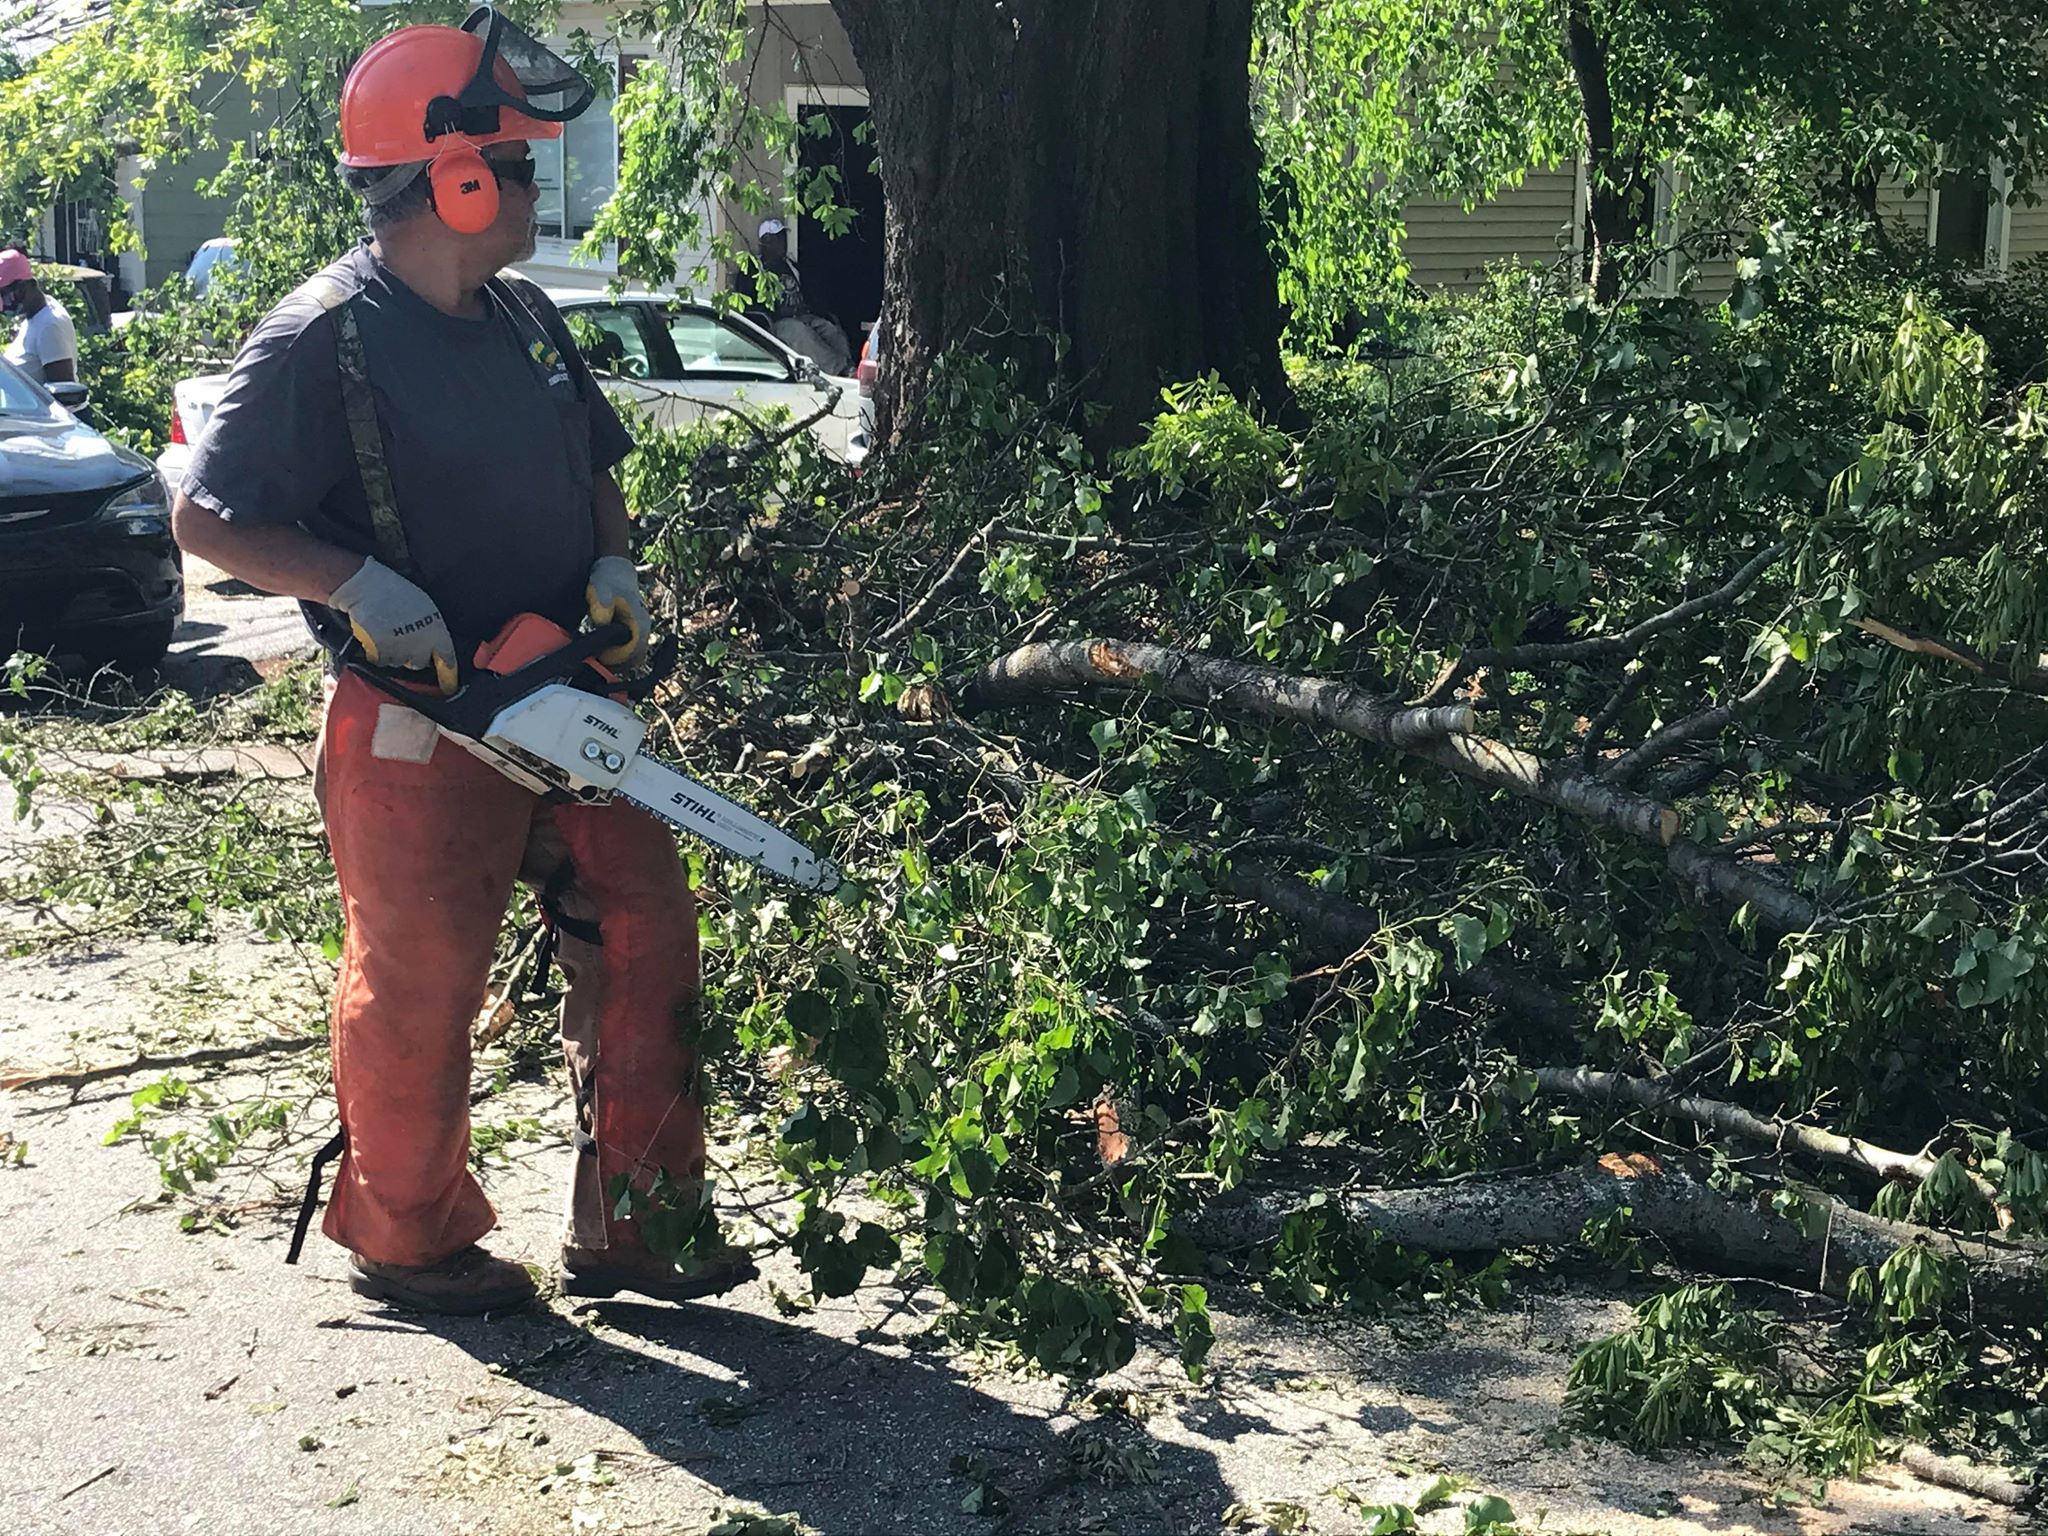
x: 465, y: 191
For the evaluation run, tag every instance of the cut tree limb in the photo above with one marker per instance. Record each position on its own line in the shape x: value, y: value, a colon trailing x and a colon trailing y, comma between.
x: 1193, y: 678
x: 2007, y: 1281
x: 1731, y: 1120
x: 2000, y: 1487
x: 209, y: 1056
x: 2027, y: 674
x: 1440, y: 734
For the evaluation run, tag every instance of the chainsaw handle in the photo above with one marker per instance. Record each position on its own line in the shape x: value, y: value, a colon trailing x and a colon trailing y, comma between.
x: 660, y: 662
x: 469, y: 711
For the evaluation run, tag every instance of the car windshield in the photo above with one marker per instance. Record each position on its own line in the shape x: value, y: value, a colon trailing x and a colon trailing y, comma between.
x: 18, y: 397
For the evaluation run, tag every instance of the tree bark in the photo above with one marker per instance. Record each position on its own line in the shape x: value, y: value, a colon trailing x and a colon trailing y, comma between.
x: 1732, y: 1120
x: 1992, y: 1483
x: 1613, y: 210
x: 1084, y: 168
x: 1439, y: 734
x: 2007, y: 1281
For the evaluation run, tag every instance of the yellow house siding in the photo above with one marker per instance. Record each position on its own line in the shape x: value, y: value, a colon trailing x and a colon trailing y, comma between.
x: 1903, y: 210
x: 2029, y: 232
x: 1448, y: 248
x: 176, y: 217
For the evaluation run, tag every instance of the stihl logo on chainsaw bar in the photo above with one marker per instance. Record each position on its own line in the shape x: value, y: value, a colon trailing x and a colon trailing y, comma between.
x: 609, y: 730
x: 683, y: 799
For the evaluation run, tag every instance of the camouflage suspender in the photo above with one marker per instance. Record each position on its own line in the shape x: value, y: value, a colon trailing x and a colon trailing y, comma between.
x: 359, y: 404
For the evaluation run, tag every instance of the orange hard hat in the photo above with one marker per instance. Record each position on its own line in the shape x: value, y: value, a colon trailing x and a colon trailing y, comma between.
x: 423, y: 91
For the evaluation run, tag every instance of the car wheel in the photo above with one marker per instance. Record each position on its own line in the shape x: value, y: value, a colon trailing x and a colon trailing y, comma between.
x: 133, y: 650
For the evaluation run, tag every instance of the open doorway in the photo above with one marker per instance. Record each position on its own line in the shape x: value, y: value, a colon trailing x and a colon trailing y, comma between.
x: 843, y: 272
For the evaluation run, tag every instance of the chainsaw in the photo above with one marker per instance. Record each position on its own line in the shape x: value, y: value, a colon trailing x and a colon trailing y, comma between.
x: 539, y: 707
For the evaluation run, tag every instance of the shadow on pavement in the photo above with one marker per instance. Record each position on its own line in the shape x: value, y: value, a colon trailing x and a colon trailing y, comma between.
x: 856, y: 1440
x: 207, y: 675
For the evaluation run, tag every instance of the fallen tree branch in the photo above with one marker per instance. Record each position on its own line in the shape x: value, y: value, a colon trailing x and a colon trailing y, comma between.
x: 1193, y: 678
x: 1626, y: 643
x: 1731, y: 1120
x: 2006, y: 1280
x: 1631, y: 684
x: 1639, y: 759
x: 1440, y: 734
x: 1992, y: 1483
x: 952, y: 573
x: 2028, y: 676
x: 211, y: 1056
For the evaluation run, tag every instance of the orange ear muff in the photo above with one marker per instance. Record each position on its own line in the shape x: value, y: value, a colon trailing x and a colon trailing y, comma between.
x: 465, y: 191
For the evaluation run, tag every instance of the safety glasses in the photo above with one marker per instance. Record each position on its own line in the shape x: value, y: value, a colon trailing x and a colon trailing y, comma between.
x: 517, y: 173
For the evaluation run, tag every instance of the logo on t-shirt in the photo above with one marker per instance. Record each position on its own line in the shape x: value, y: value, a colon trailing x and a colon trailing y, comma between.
x: 549, y: 361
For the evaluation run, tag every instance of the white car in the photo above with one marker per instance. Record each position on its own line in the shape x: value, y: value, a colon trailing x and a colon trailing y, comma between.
x: 213, y: 257
x: 676, y: 360
x: 679, y: 361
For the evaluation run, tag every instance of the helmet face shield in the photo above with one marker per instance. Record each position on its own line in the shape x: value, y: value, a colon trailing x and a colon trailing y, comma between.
x: 421, y: 90
x: 518, y: 71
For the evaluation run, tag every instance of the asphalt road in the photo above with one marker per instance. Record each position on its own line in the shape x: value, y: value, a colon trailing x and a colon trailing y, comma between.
x: 232, y: 636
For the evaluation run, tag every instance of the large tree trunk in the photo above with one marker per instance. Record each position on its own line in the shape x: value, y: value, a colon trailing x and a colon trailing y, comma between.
x: 1614, y: 212
x: 1082, y: 166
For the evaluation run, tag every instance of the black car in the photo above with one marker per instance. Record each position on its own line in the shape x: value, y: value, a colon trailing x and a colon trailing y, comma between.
x: 87, y: 564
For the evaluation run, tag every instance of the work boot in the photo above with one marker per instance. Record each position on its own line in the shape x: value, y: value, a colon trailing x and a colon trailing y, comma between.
x: 461, y: 1285
x: 601, y: 1272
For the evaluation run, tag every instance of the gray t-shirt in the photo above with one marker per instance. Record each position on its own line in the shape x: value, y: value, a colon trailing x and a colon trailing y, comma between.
x: 493, y: 430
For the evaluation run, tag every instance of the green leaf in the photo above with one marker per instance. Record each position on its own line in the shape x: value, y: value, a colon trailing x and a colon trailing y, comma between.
x: 803, y: 1127
x: 974, y: 1173
x: 1469, y: 940
x: 1488, y: 1511
x: 1439, y: 1493
x: 1385, y: 1519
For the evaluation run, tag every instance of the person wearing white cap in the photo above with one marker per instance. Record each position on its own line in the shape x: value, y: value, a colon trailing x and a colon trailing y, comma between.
x: 773, y: 248
x: 791, y: 317
x: 45, y: 346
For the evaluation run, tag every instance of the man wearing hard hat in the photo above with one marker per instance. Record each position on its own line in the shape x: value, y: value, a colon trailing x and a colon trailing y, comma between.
x: 411, y: 445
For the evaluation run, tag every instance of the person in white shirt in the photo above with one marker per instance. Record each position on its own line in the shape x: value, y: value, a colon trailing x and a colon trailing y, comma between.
x: 45, y: 345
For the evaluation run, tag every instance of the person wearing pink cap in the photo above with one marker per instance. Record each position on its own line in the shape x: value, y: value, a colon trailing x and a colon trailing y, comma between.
x: 45, y: 345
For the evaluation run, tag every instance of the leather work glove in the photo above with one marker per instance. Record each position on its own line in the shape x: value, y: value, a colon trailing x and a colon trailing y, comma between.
x: 614, y: 595
x: 396, y: 623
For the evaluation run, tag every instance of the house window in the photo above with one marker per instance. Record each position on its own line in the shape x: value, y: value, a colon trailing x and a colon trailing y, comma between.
x: 577, y: 172
x: 1963, y: 224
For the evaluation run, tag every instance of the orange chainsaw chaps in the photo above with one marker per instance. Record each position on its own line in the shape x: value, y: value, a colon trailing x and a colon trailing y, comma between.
x: 427, y: 841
